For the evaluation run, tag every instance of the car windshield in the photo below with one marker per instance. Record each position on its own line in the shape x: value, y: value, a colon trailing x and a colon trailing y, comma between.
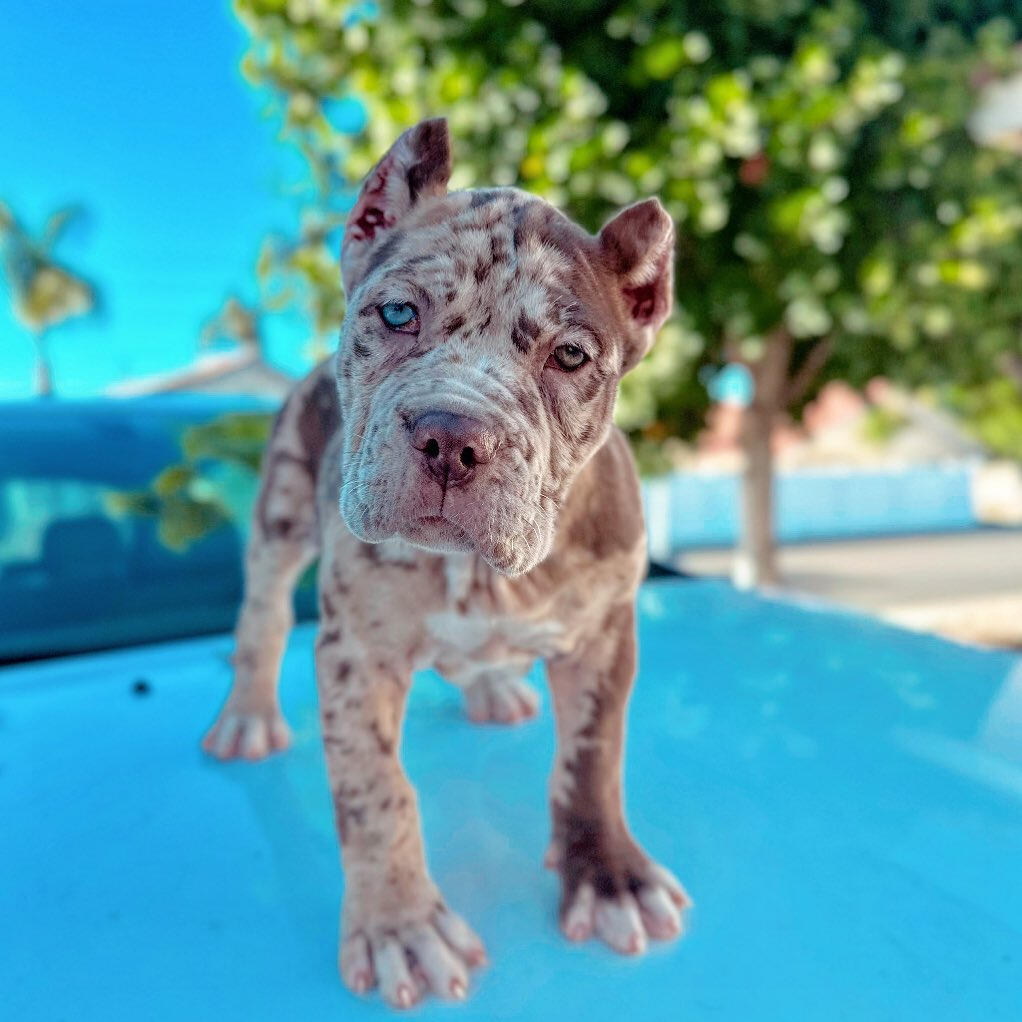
x: 79, y: 568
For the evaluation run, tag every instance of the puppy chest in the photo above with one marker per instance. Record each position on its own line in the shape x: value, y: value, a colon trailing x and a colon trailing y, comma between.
x: 485, y: 627
x: 491, y: 637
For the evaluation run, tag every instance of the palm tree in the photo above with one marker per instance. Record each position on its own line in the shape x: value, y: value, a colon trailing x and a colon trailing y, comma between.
x: 235, y: 322
x: 44, y: 293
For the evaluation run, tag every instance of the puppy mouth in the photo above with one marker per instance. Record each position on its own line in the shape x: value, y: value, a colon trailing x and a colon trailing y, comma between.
x: 437, y: 533
x: 440, y: 520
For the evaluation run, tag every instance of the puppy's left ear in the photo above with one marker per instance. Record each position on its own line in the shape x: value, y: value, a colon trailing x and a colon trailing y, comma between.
x: 638, y: 248
x: 417, y: 166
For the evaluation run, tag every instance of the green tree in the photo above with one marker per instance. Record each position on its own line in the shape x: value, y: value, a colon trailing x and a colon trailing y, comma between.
x: 44, y: 292
x: 835, y: 215
x: 214, y: 483
x: 992, y: 411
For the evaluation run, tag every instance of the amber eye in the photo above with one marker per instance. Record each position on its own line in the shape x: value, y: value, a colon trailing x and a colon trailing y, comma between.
x: 568, y: 357
x: 400, y: 316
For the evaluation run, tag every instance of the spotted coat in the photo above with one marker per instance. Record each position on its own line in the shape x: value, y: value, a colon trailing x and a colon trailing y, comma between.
x: 536, y: 553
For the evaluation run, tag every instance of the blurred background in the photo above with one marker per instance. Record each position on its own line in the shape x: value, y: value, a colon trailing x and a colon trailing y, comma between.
x: 834, y: 412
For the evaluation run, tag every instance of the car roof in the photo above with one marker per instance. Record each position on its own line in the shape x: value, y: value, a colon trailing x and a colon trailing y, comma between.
x: 122, y: 441
x: 841, y: 798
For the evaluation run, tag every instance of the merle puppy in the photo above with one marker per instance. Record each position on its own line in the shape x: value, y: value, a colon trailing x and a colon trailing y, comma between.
x: 455, y: 469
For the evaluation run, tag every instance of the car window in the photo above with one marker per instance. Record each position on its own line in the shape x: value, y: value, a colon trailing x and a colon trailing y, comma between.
x: 77, y: 570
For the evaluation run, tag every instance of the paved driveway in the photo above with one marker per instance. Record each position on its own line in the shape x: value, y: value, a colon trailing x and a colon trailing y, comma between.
x: 967, y: 585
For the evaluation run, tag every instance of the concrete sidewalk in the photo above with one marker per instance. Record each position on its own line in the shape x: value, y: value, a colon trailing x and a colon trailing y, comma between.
x: 966, y: 585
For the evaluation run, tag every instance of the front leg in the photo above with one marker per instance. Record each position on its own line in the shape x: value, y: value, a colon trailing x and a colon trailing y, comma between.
x: 396, y: 930
x: 608, y: 884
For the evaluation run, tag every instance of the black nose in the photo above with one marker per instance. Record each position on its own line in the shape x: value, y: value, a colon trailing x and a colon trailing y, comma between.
x: 452, y: 445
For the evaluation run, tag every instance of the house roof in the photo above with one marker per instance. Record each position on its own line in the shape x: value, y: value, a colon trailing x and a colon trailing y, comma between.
x: 238, y: 371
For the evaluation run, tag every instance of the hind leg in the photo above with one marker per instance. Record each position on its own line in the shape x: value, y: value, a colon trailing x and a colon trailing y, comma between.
x: 501, y: 697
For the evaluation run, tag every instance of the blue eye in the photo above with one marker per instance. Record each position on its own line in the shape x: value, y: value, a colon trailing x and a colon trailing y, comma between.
x: 400, y: 316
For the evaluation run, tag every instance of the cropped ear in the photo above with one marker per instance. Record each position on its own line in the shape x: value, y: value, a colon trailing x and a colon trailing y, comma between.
x: 638, y: 248
x: 417, y: 166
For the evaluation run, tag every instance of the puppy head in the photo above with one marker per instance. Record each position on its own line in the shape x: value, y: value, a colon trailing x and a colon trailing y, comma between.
x: 480, y: 355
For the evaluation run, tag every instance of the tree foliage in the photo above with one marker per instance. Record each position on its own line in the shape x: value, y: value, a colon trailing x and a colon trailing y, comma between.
x: 44, y: 292
x: 815, y: 156
x: 835, y: 216
x: 214, y: 483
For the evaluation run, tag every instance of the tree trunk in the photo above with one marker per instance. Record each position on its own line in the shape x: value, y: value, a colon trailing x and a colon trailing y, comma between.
x: 43, y: 374
x: 756, y: 560
x: 756, y: 557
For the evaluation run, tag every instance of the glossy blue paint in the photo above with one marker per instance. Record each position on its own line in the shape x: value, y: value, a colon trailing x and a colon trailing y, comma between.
x: 75, y: 575
x: 844, y: 801
x: 119, y: 442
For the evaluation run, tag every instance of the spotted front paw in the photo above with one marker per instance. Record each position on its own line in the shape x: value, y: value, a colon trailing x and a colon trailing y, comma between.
x: 409, y: 953
x: 612, y: 890
x: 247, y: 732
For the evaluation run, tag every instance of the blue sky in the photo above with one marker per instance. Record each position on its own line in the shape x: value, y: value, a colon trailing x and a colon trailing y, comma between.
x: 139, y: 112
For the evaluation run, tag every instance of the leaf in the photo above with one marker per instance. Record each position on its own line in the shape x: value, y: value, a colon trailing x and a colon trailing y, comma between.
x: 172, y: 479
x: 58, y: 224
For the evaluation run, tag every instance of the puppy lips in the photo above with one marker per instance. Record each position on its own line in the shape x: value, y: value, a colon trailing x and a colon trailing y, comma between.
x: 453, y: 530
x: 436, y: 534
x: 461, y: 528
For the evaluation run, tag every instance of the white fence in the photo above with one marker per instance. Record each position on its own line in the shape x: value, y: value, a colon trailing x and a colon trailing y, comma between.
x: 690, y: 509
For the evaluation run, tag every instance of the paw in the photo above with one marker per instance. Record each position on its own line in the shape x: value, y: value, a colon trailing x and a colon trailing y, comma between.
x: 411, y: 955
x: 247, y: 733
x: 501, y: 700
x: 619, y: 895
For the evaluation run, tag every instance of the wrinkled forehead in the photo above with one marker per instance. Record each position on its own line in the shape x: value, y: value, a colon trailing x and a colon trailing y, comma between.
x: 503, y: 249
